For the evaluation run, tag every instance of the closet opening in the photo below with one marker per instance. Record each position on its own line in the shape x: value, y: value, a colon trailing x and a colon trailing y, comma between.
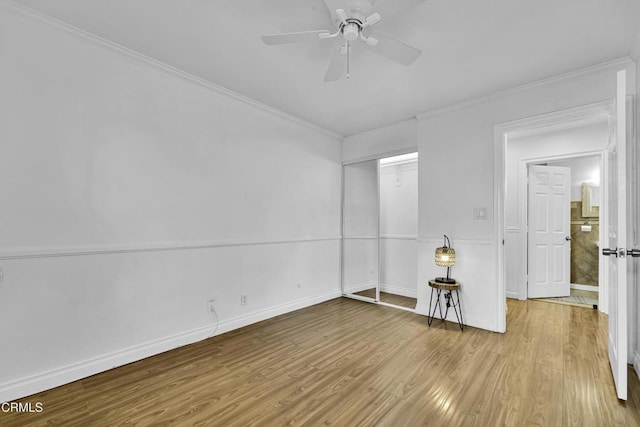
x: 380, y: 229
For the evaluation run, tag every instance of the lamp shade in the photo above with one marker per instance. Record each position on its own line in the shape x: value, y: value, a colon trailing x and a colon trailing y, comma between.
x: 445, y: 257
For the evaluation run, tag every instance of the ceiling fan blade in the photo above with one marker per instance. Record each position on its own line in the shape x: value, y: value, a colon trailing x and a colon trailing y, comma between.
x: 388, y: 9
x: 333, y: 5
x: 304, y: 36
x: 394, y: 49
x: 337, y: 65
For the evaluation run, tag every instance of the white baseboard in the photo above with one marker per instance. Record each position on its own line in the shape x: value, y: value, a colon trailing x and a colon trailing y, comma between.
x: 513, y: 294
x: 398, y: 290
x: 56, y: 377
x: 589, y: 288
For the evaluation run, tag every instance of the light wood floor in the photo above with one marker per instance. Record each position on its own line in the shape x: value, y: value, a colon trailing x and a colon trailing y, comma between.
x: 347, y: 362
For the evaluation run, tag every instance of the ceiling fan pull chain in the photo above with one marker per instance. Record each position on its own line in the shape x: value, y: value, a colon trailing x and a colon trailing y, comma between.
x: 348, y: 62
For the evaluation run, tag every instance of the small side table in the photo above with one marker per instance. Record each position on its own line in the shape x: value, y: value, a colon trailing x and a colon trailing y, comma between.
x: 448, y: 288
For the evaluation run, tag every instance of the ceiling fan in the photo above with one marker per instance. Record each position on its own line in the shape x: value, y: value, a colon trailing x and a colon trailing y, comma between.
x: 354, y: 20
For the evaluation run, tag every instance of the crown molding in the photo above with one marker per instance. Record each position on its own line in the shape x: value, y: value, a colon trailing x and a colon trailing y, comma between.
x: 108, y: 44
x: 620, y: 62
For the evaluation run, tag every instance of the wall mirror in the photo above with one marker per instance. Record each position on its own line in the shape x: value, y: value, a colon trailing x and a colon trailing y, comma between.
x: 590, y: 200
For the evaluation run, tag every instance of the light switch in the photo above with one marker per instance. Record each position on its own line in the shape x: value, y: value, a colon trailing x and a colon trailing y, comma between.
x: 479, y: 213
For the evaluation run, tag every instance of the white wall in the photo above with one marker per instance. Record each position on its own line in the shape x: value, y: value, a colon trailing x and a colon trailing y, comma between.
x: 399, y: 228
x: 131, y: 194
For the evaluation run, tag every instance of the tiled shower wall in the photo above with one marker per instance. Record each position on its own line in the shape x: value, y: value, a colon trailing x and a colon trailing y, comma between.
x: 584, y: 248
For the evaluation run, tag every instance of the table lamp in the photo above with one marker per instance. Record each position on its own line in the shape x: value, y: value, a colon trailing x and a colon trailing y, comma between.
x: 445, y: 257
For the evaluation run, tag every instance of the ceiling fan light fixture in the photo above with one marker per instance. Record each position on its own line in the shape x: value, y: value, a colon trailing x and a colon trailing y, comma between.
x: 351, y: 31
x: 369, y: 41
x: 342, y: 15
x: 372, y: 19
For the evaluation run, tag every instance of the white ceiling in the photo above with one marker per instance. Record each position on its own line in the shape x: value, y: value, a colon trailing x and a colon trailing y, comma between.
x: 470, y: 48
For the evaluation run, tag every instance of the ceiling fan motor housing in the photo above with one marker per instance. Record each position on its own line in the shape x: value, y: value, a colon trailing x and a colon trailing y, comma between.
x: 351, y: 31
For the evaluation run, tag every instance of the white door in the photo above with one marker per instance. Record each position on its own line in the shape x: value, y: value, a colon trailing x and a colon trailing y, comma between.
x: 617, y: 242
x: 549, y: 245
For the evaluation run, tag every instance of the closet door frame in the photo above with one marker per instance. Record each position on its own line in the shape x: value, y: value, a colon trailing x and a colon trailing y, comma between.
x: 342, y: 240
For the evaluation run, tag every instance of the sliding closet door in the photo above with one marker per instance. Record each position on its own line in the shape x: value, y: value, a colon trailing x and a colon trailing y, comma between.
x: 360, y: 227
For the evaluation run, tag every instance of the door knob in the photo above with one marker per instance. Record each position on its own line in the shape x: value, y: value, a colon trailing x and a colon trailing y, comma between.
x: 633, y: 253
x: 608, y: 252
x: 567, y: 238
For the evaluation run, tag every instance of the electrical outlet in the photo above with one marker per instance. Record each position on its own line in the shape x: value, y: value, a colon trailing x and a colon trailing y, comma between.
x: 299, y: 283
x: 211, y: 305
x: 243, y: 299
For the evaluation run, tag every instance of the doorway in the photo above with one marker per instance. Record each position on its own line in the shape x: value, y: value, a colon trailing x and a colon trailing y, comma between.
x: 586, y: 138
x: 578, y: 235
x: 379, y: 229
x: 581, y: 131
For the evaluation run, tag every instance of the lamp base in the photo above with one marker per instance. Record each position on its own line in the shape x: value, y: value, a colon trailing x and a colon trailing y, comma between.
x: 445, y: 280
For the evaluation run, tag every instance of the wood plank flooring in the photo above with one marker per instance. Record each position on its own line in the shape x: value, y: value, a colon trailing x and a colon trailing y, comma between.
x: 347, y: 362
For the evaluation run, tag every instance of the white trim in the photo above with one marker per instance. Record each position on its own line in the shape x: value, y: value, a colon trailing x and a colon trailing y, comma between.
x: 399, y: 236
x: 46, y: 380
x: 499, y: 190
x: 379, y: 156
x: 398, y: 290
x: 455, y: 241
x: 559, y: 120
x: 360, y: 237
x: 403, y: 165
x: 513, y: 294
x: 589, y: 288
x: 97, y: 40
x: 386, y: 304
x: 615, y: 63
x: 26, y: 253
